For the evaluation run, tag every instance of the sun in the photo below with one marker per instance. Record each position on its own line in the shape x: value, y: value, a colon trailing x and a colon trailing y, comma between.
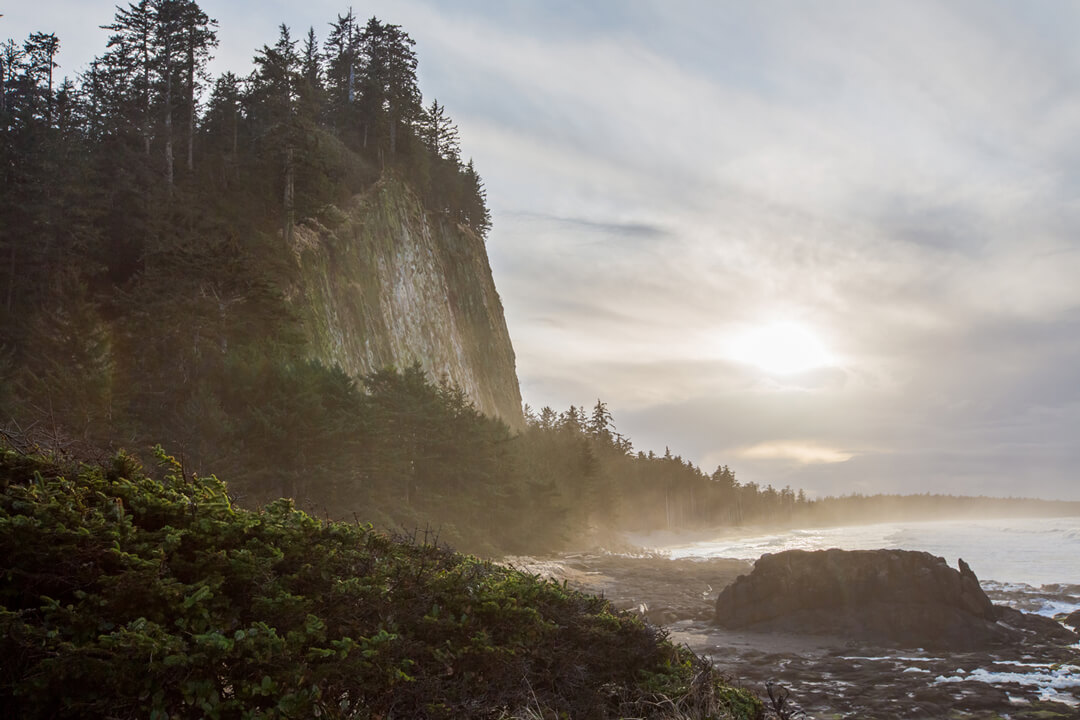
x: 782, y: 348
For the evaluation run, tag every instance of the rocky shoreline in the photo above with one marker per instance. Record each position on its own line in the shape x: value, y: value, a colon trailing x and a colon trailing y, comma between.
x: 835, y: 677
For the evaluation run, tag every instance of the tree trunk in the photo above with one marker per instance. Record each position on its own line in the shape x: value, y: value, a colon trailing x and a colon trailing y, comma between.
x: 287, y: 230
x: 11, y: 280
x: 168, y: 119
x: 146, y: 89
x: 191, y: 107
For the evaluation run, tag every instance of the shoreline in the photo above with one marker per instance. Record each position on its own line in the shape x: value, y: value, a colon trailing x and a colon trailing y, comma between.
x: 832, y: 677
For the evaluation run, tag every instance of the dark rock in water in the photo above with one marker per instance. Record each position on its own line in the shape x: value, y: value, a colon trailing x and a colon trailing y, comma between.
x: 1073, y: 619
x: 895, y: 597
x: 1036, y: 626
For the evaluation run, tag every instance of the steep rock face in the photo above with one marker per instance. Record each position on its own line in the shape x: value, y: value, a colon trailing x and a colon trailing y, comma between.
x: 387, y: 283
x: 898, y: 597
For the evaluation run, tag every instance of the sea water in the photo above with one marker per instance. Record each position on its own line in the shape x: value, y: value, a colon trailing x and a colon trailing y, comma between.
x: 1030, y: 551
x: 1032, y: 564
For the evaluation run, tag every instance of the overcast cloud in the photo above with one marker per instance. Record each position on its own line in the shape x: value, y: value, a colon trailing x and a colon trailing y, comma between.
x: 902, y: 178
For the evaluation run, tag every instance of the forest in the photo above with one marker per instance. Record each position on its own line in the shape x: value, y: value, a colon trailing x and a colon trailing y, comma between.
x: 141, y: 233
x: 144, y: 228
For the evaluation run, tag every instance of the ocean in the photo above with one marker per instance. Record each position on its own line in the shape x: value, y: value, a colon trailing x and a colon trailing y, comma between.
x: 1032, y: 564
x: 1030, y: 551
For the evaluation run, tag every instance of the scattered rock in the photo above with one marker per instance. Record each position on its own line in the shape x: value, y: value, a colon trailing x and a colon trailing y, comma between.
x: 660, y: 589
x: 1042, y: 629
x: 830, y: 676
x: 895, y: 597
x: 1073, y: 620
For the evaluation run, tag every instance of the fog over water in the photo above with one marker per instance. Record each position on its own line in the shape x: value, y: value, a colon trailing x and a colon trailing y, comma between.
x: 1035, y: 551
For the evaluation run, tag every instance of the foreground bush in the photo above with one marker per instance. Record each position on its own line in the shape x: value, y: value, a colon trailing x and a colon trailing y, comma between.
x: 125, y: 597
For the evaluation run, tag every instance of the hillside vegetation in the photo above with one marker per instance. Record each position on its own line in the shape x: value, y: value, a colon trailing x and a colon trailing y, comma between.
x: 208, y: 263
x: 127, y: 597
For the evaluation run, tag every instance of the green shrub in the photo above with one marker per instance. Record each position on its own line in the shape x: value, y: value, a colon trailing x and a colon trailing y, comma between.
x: 125, y: 597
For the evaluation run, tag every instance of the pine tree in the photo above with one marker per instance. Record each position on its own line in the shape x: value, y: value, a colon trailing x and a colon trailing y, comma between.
x: 311, y: 89
x: 274, y: 99
x: 475, y: 211
x: 11, y: 59
x: 439, y: 134
x: 40, y: 50
x: 129, y: 63
x: 391, y: 93
x: 198, y: 38
x: 342, y: 51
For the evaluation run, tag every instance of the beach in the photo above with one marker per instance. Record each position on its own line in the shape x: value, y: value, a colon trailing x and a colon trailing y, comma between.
x: 1030, y: 564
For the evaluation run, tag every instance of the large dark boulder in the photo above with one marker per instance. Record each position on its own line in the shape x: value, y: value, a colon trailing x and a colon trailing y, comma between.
x: 893, y: 597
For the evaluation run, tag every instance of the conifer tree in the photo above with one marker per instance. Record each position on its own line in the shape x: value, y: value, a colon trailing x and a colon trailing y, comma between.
x: 475, y: 212
x: 198, y: 38
x: 311, y: 78
x: 342, y: 51
x: 129, y: 63
x: 439, y: 133
x: 40, y: 50
x: 391, y: 94
x: 11, y: 56
x: 274, y: 102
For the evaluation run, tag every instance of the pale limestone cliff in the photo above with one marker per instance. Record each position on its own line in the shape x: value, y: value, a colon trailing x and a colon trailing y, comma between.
x: 387, y: 283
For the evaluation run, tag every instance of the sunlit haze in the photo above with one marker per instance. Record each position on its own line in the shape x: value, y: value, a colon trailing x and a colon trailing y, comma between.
x: 780, y: 348
x: 830, y: 244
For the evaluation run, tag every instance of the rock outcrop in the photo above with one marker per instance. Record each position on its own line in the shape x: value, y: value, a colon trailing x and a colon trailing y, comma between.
x: 892, y: 597
x: 388, y: 283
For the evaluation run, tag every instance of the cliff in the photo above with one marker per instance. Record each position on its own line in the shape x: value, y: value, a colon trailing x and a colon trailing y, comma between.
x: 385, y: 282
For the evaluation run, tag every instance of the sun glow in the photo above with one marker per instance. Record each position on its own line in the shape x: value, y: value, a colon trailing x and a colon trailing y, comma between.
x: 782, y: 348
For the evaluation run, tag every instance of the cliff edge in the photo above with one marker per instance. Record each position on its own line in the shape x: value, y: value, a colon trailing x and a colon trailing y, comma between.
x: 386, y: 282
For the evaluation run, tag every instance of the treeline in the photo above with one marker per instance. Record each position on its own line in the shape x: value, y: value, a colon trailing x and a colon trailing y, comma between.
x: 581, y: 457
x: 860, y: 508
x: 145, y: 257
x: 144, y: 163
x: 146, y: 230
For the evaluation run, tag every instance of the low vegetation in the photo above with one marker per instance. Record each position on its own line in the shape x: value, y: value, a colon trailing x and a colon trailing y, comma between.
x: 127, y: 596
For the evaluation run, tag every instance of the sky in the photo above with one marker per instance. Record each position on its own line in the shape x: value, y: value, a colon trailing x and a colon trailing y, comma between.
x: 830, y: 244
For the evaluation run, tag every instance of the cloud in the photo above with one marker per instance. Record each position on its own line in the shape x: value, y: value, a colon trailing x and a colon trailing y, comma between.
x: 803, y: 453
x: 901, y: 176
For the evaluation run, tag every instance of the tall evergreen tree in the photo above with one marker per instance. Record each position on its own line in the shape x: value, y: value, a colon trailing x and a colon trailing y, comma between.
x: 274, y: 96
x: 439, y: 133
x: 129, y: 62
x: 311, y: 89
x: 474, y: 210
x: 40, y: 50
x: 198, y: 38
x: 391, y: 94
x: 342, y: 51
